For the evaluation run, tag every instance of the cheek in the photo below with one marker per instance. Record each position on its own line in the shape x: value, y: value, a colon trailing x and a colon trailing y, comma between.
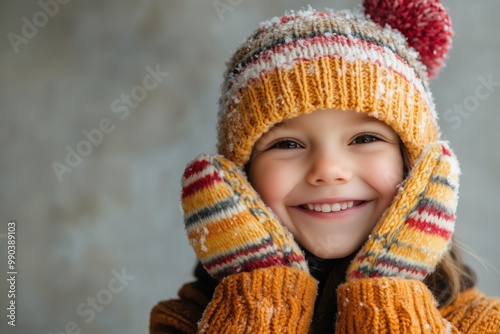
x: 272, y: 180
x: 387, y: 174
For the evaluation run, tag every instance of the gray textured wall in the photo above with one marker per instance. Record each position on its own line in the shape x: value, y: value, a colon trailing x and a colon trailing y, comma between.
x: 118, y: 208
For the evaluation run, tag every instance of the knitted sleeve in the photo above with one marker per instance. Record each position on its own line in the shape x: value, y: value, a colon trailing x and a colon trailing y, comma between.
x: 270, y: 300
x: 395, y: 305
x: 180, y: 316
x: 473, y: 312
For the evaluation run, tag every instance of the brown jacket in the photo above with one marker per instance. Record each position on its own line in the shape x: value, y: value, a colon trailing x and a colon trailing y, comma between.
x: 284, y: 300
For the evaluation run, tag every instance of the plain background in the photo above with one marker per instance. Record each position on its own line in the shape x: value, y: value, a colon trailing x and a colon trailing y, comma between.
x: 119, y: 208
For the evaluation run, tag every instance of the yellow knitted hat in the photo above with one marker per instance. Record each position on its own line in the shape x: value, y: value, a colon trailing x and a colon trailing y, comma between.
x: 376, y: 59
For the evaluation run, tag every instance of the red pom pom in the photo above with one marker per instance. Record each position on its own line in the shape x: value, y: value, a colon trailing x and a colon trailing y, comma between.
x: 424, y: 23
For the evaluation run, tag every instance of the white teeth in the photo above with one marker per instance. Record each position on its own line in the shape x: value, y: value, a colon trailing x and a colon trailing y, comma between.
x: 326, y: 208
x: 330, y: 207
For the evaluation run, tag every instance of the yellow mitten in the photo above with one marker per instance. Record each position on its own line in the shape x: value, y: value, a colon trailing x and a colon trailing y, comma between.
x: 414, y: 232
x: 228, y: 225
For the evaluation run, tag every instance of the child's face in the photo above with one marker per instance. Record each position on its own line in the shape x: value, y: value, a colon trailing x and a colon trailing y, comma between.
x: 328, y: 176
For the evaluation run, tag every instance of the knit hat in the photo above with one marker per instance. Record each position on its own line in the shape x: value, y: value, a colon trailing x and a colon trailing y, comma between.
x: 376, y: 59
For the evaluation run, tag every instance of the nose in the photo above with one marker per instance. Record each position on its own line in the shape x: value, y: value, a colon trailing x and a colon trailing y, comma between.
x: 329, y: 169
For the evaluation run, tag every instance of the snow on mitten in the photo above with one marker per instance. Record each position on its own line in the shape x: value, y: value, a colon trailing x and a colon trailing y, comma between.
x: 414, y: 232
x: 228, y: 225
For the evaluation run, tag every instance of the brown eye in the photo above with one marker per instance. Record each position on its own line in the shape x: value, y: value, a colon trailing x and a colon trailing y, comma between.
x: 286, y: 145
x: 364, y: 139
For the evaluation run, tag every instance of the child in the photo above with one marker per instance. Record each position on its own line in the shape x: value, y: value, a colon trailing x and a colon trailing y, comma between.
x: 332, y: 205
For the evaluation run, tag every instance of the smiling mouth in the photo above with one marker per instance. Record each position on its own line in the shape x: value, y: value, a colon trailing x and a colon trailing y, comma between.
x: 326, y: 207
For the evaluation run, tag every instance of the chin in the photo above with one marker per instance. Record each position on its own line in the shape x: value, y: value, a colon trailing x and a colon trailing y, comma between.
x: 333, y: 254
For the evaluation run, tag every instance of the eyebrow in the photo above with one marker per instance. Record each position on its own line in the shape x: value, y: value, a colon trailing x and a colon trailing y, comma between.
x: 368, y: 120
x: 281, y: 124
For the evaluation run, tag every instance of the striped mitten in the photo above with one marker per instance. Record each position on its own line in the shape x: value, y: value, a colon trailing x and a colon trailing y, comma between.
x: 228, y: 225
x: 414, y: 233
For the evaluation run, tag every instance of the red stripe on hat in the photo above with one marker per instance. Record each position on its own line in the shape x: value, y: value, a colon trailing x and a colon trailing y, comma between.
x: 204, y: 182
x: 285, y: 19
x: 318, y: 40
x: 269, y: 54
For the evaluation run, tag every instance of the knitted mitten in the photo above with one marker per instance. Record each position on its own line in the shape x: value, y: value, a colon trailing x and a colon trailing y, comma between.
x: 414, y: 233
x: 228, y: 225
